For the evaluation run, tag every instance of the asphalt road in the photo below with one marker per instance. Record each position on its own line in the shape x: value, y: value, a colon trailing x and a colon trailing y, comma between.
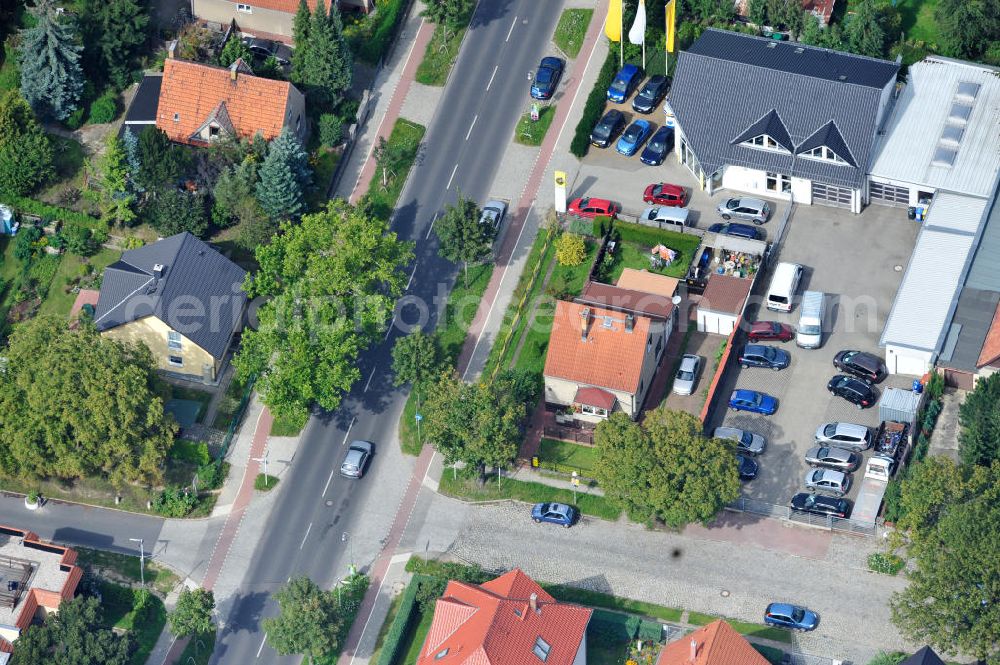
x: 488, y: 90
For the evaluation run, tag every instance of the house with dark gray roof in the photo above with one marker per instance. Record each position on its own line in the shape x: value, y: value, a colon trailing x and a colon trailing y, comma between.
x: 179, y: 297
x: 779, y: 119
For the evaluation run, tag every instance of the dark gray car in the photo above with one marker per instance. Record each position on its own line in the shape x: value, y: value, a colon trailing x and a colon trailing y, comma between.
x: 358, y: 454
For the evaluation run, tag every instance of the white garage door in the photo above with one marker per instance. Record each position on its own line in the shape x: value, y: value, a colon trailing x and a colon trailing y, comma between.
x: 889, y: 195
x: 713, y: 322
x: 831, y: 195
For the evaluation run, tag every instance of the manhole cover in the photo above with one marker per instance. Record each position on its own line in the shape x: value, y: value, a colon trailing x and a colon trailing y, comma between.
x: 898, y: 268
x: 724, y: 593
x: 329, y: 502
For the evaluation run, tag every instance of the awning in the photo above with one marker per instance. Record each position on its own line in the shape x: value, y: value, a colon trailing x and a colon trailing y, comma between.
x: 602, y: 399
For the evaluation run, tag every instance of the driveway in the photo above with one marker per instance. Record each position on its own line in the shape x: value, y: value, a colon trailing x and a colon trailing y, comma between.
x: 853, y: 259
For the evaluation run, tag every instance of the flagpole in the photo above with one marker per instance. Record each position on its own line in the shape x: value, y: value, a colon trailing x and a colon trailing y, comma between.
x: 621, y: 36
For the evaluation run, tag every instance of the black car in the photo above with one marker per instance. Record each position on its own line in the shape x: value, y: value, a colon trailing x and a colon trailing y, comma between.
x: 737, y: 230
x: 760, y: 355
x: 266, y: 48
x: 817, y: 504
x: 658, y: 147
x: 608, y: 128
x: 748, y: 467
x: 862, y: 365
x: 546, y: 78
x: 854, y: 390
x: 651, y: 94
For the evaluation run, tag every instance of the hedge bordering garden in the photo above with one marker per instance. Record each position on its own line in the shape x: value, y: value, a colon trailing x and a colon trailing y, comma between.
x: 594, y: 107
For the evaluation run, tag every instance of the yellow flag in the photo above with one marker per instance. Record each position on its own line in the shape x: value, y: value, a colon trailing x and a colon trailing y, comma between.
x: 613, y: 24
x: 671, y: 11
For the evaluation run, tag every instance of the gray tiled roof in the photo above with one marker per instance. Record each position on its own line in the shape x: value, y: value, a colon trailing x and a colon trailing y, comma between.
x: 199, y: 294
x: 727, y: 83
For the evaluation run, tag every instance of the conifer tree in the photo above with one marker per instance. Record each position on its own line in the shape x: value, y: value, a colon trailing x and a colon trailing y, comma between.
x: 51, y: 75
x: 284, y: 177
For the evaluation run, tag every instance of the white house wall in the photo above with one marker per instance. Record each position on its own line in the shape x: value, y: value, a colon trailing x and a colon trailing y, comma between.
x: 717, y: 323
x: 754, y: 181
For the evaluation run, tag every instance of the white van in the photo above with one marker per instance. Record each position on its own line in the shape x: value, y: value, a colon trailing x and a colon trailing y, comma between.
x: 809, y: 334
x: 670, y: 218
x: 783, y: 285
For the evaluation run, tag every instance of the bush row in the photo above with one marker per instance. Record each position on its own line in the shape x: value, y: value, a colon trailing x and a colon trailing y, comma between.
x: 594, y: 107
x: 397, y: 631
x: 24, y: 205
x: 615, y: 627
x: 646, y: 235
x: 448, y: 570
x: 372, y: 43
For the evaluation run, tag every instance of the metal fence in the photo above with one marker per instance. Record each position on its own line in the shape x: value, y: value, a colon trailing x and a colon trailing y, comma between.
x: 746, y: 505
x: 237, y: 418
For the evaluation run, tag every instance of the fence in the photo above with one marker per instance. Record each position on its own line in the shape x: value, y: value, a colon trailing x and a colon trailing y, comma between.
x: 236, y: 419
x: 569, y: 434
x: 636, y: 218
x: 753, y: 506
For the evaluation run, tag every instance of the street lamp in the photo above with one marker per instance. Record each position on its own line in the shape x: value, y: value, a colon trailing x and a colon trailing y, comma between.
x: 142, y: 560
x: 345, y: 538
x: 262, y: 460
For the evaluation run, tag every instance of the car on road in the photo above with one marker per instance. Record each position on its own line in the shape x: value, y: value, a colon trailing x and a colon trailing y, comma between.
x: 790, y: 616
x: 625, y: 82
x: 687, y: 374
x: 753, y: 401
x: 744, y: 207
x: 851, y: 436
x: 863, y: 365
x: 839, y: 459
x: 358, y: 455
x: 607, y: 128
x: 737, y: 230
x: 590, y: 207
x: 493, y: 214
x: 858, y: 392
x: 748, y: 467
x: 760, y: 355
x: 746, y: 442
x: 817, y: 504
x: 664, y: 194
x: 659, y: 147
x: 651, y: 94
x: 768, y: 330
x: 828, y: 480
x: 554, y: 513
x: 546, y: 78
x: 633, y: 137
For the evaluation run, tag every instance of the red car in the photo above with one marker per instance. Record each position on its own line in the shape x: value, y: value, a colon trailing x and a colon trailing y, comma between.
x: 591, y: 207
x: 664, y: 194
x: 770, y: 330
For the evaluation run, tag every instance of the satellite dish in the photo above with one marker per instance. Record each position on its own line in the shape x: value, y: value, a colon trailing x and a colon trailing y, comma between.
x: 676, y: 300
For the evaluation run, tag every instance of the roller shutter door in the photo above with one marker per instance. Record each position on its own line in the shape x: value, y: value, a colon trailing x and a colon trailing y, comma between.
x: 890, y: 195
x: 831, y: 195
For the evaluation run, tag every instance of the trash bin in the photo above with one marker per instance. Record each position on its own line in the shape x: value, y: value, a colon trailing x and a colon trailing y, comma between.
x: 911, y: 212
x: 917, y: 386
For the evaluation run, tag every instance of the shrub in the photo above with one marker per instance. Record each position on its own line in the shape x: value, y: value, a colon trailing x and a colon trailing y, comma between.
x: 371, y: 43
x: 429, y: 590
x: 397, y: 631
x: 887, y: 564
x: 75, y: 119
x: 193, y: 452
x: 585, y: 227
x: 645, y: 235
x: 891, y: 499
x: 935, y: 386
x: 104, y: 109
x: 448, y: 570
x: 594, y: 107
x: 28, y: 206
x: 571, y: 249
x: 650, y: 631
x: 331, y: 130
x: 211, y: 476
x: 175, y: 502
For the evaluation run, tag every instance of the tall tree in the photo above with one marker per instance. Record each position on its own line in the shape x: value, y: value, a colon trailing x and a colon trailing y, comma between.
x: 864, y: 33
x: 448, y: 12
x: 109, y: 184
x: 327, y: 68
x: 122, y: 435
x: 233, y: 193
x: 284, y: 177
x: 415, y: 358
x: 161, y: 164
x: 193, y: 613
x: 979, y: 423
x: 25, y: 152
x: 115, y: 32
x: 331, y: 284
x: 235, y: 50
x: 175, y: 211
x: 665, y: 469
x: 462, y: 237
x: 307, y: 623
x: 75, y: 635
x: 968, y: 28
x: 757, y: 12
x: 51, y: 75
x: 300, y: 36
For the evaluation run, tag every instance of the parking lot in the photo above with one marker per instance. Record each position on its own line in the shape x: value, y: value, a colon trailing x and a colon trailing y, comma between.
x: 853, y: 259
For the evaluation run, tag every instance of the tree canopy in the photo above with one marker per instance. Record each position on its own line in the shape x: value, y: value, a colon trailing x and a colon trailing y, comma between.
x: 161, y: 164
x: 25, y: 152
x: 75, y: 635
x: 308, y: 621
x: 115, y: 32
x: 462, y: 238
x: 415, y: 358
x: 51, y: 75
x: 284, y: 178
x: 665, y: 469
x: 193, y: 613
x: 979, y: 423
x: 864, y: 32
x: 325, y: 66
x: 331, y: 283
x: 110, y: 185
x: 74, y: 404
x: 968, y: 28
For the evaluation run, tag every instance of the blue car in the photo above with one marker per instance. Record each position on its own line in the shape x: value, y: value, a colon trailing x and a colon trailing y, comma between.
x: 753, y: 401
x: 658, y: 147
x: 736, y: 229
x: 633, y: 137
x: 546, y: 78
x: 790, y: 616
x: 625, y: 82
x: 555, y: 513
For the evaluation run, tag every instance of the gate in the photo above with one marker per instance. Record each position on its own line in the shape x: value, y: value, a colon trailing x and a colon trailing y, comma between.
x: 888, y: 195
x: 831, y: 195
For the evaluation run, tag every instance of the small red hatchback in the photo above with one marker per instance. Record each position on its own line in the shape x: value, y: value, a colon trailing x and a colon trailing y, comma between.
x: 665, y: 194
x: 767, y: 330
x: 591, y: 207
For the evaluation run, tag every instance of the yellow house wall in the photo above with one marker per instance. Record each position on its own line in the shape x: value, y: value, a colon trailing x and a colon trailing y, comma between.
x: 152, y: 332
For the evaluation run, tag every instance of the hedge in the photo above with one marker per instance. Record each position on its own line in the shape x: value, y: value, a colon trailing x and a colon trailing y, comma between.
x: 650, y: 631
x: 448, y: 570
x: 646, y: 235
x: 28, y: 206
x: 594, y: 107
x: 613, y: 627
x: 397, y: 631
x: 372, y: 45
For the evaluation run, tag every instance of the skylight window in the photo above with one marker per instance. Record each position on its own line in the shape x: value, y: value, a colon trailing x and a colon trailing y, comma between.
x: 541, y: 649
x: 952, y: 134
x: 944, y: 156
x: 441, y: 654
x: 967, y: 90
x: 960, y: 113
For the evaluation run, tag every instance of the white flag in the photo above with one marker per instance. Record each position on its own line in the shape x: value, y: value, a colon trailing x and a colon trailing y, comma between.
x: 637, y: 35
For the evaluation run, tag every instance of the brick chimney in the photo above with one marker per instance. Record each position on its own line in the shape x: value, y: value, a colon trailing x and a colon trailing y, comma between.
x: 629, y: 322
x: 584, y: 323
x: 172, y: 49
x: 533, y: 603
x: 233, y: 69
x: 694, y: 650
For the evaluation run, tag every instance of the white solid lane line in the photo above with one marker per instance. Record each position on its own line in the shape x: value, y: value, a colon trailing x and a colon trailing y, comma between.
x: 261, y: 648
x: 452, y: 176
x: 511, y: 30
x: 308, y: 529
x: 348, y: 432
x: 495, y: 67
x: 469, y: 133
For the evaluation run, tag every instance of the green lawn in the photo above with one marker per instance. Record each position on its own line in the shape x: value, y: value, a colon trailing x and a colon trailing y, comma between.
x: 404, y: 140
x: 117, y: 603
x: 441, y: 53
x: 636, y: 255
x: 606, y: 653
x: 466, y: 487
x: 607, y: 601
x: 199, y: 650
x: 286, y: 427
x: 264, y: 483
x: 566, y: 454
x: 532, y: 132
x: 158, y: 577
x: 571, y: 30
x: 61, y: 297
x: 326, y: 164
x: 743, y: 627
x: 918, y: 21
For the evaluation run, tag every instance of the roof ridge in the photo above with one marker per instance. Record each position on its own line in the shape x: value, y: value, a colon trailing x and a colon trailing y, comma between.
x: 783, y: 71
x: 124, y: 300
x: 803, y: 45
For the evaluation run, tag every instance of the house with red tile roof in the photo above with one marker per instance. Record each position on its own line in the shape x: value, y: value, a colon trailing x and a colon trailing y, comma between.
x: 600, y: 360
x: 715, y: 644
x: 199, y: 104
x: 264, y: 18
x: 507, y: 621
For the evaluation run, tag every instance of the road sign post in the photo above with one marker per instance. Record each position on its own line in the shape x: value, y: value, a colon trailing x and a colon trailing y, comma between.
x: 418, y: 418
x: 576, y: 483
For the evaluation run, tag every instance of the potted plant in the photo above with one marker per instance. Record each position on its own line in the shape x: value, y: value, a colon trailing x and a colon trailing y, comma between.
x: 32, y: 500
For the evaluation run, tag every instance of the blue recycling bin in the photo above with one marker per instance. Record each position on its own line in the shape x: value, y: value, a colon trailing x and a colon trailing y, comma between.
x: 917, y: 386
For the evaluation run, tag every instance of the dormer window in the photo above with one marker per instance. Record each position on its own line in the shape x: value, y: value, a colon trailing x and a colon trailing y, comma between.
x: 177, y: 117
x: 765, y: 142
x: 824, y: 153
x: 246, y: 9
x: 213, y: 132
x: 541, y: 649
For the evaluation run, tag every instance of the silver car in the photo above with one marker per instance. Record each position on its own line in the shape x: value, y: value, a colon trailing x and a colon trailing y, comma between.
x: 828, y: 480
x: 833, y: 458
x: 687, y: 374
x: 746, y: 442
x: 844, y: 435
x: 744, y: 207
x: 493, y: 214
x: 358, y: 454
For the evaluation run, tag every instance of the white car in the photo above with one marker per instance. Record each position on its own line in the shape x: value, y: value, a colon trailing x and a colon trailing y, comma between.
x: 493, y: 214
x: 851, y: 436
x: 671, y: 218
x: 687, y: 375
